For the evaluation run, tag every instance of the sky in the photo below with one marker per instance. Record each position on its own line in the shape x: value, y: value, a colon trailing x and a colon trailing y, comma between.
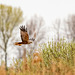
x: 50, y: 10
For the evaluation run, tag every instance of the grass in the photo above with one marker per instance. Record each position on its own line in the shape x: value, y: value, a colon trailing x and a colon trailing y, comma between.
x: 54, y: 58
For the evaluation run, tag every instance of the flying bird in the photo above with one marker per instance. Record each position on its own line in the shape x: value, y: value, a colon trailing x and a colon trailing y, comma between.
x: 24, y: 37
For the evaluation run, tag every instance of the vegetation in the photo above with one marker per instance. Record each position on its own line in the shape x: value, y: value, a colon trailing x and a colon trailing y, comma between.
x: 54, y: 58
x: 9, y: 19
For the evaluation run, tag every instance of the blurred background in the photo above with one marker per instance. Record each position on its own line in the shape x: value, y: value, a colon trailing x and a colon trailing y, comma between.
x: 46, y: 20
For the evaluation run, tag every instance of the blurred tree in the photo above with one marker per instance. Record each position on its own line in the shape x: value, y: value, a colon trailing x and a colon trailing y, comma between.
x: 57, y: 25
x: 9, y: 19
x: 71, y: 26
x: 36, y: 29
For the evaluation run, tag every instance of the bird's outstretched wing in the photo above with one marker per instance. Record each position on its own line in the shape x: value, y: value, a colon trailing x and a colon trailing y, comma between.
x: 24, y: 34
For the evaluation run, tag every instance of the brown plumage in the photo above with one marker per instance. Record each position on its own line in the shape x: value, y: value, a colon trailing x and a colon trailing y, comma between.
x: 24, y: 36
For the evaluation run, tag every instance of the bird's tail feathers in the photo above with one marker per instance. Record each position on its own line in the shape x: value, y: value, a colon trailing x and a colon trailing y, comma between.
x: 18, y: 43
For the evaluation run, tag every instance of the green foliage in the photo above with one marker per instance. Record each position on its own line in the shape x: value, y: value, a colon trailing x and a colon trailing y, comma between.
x: 9, y: 18
x: 57, y: 58
x: 57, y: 51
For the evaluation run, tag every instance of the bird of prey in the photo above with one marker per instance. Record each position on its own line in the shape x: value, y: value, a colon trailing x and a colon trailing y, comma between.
x: 24, y: 37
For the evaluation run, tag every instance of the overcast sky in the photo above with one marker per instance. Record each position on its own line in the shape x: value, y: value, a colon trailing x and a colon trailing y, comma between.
x: 48, y: 9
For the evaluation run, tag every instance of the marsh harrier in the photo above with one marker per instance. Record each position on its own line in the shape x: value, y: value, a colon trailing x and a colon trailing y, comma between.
x: 24, y: 37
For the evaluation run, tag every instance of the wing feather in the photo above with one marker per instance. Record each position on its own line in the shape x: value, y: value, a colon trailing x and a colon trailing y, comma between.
x: 24, y: 34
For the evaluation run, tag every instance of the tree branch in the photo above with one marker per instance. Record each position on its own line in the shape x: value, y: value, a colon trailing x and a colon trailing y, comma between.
x: 1, y: 47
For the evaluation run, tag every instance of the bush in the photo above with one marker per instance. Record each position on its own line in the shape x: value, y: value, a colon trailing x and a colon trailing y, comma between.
x: 54, y: 58
x: 56, y: 51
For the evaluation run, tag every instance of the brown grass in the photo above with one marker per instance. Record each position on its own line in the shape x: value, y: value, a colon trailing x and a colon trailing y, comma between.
x: 36, y: 66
